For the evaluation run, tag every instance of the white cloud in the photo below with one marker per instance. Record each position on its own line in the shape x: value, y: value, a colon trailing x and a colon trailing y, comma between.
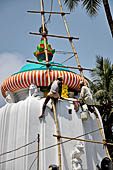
x: 9, y: 63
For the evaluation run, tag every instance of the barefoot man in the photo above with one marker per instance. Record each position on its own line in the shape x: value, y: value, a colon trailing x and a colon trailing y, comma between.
x: 55, y: 93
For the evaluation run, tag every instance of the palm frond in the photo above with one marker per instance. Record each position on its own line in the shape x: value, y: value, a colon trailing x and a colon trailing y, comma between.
x: 103, y: 74
x: 99, y: 69
x: 99, y: 66
x: 110, y: 114
x: 106, y: 64
x: 91, y: 6
x: 93, y: 87
x: 71, y: 4
x: 103, y: 80
x: 111, y: 89
x: 99, y: 94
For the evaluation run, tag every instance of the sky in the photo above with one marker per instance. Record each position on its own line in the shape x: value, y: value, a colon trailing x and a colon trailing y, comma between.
x: 17, y: 45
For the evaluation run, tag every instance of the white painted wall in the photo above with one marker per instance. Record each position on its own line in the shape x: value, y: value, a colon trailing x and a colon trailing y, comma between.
x: 19, y: 124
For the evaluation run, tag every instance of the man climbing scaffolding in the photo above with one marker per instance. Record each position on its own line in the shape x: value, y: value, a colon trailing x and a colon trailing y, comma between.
x: 55, y: 93
x: 86, y: 97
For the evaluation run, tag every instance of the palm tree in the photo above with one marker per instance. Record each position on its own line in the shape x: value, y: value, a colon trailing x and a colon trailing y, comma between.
x: 103, y: 80
x: 92, y: 7
x: 102, y: 87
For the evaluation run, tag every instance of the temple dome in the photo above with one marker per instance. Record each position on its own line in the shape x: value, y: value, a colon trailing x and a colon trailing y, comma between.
x: 33, y: 66
x: 37, y: 74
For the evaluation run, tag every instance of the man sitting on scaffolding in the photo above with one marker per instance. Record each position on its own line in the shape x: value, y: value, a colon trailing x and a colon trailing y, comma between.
x: 55, y: 93
x: 86, y: 97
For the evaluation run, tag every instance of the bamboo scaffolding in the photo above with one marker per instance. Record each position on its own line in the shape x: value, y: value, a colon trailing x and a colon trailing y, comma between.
x: 56, y: 36
x: 48, y: 12
x: 38, y: 152
x: 43, y: 25
x: 83, y: 140
x: 82, y: 68
x: 79, y: 67
x: 58, y: 134
x: 71, y: 42
x: 54, y: 109
x: 101, y: 132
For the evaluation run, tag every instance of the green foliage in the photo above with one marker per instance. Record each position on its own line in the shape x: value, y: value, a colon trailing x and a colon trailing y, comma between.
x: 91, y: 6
x: 102, y: 87
x: 71, y: 4
x: 103, y: 80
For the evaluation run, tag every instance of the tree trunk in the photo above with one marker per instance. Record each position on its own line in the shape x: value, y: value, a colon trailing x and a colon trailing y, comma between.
x: 108, y: 15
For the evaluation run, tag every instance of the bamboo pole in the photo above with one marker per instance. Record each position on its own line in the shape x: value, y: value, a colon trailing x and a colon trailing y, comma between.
x: 82, y: 68
x: 43, y: 25
x: 48, y: 12
x: 54, y: 109
x: 83, y: 140
x: 101, y: 132
x: 56, y: 36
x: 58, y: 134
x: 71, y: 42
x: 38, y: 152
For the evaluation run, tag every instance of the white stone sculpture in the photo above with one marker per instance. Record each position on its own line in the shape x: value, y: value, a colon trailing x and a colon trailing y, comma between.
x: 34, y: 91
x: 9, y: 98
x: 76, y: 160
x: 84, y: 114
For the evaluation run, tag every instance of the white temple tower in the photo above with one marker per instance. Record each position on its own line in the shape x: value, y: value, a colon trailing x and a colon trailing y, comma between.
x: 20, y: 124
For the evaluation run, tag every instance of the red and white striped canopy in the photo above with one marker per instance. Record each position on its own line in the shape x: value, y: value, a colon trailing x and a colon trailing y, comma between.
x: 39, y: 78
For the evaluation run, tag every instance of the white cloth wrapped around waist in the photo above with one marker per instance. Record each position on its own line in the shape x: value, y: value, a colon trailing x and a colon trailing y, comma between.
x: 54, y: 95
x: 88, y: 100
x: 86, y: 96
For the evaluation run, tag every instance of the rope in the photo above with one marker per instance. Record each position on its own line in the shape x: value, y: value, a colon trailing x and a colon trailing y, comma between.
x: 32, y: 163
x: 18, y: 148
x: 48, y: 20
x: 68, y: 59
x: 51, y: 146
x: 64, y: 52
